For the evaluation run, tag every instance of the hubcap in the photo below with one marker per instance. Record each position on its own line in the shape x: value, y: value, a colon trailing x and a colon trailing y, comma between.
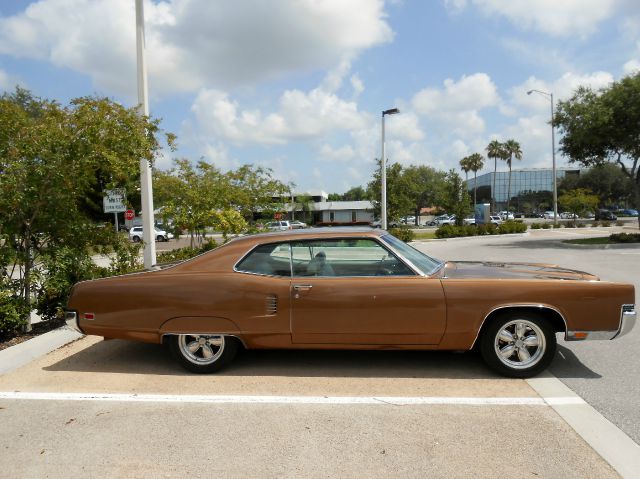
x: 200, y: 348
x: 520, y: 344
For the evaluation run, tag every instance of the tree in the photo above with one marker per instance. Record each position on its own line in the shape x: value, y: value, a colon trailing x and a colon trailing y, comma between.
x: 476, y: 163
x: 455, y: 197
x: 466, y: 167
x: 357, y: 193
x: 424, y: 186
x: 303, y: 203
x: 398, y: 199
x: 578, y: 201
x: 607, y: 181
x: 511, y: 150
x: 495, y: 150
x: 602, y: 127
x: 54, y: 162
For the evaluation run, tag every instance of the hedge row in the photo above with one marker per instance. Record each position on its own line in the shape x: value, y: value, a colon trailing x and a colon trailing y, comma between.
x: 508, y: 227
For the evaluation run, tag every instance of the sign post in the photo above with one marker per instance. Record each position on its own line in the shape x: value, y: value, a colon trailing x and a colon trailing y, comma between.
x: 115, y: 202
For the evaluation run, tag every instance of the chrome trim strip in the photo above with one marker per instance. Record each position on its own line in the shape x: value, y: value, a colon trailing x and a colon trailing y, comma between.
x: 518, y: 305
x: 207, y: 334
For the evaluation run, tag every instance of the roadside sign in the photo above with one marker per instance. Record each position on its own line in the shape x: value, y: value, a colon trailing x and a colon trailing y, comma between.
x: 114, y: 201
x: 129, y: 215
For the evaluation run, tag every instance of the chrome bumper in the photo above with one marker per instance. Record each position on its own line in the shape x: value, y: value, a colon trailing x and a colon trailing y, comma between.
x: 628, y: 316
x: 71, y: 318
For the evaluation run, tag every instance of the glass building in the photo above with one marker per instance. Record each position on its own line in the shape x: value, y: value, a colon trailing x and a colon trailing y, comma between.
x: 523, y: 182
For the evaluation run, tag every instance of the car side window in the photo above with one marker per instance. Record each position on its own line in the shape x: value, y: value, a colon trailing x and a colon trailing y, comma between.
x: 268, y: 259
x: 345, y: 257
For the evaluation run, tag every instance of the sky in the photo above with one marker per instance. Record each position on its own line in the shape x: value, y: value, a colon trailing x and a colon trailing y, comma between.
x: 299, y: 85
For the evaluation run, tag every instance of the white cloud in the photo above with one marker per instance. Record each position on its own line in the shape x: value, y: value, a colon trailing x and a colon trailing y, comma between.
x: 562, y: 88
x: 193, y: 44
x: 632, y: 66
x: 457, y: 105
x: 553, y: 17
x: 344, y: 153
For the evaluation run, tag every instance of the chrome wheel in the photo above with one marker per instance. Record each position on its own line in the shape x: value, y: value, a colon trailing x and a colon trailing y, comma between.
x: 201, y: 349
x: 520, y: 344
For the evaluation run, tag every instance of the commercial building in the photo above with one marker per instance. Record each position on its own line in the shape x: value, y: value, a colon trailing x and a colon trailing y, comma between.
x: 524, y: 182
x: 319, y: 211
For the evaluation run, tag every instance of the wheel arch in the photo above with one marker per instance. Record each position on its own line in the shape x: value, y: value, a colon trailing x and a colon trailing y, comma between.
x: 550, y: 313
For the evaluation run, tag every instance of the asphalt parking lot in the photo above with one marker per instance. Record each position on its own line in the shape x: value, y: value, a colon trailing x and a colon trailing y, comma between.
x: 97, y: 407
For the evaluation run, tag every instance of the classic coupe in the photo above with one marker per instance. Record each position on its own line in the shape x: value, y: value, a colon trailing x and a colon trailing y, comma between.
x: 351, y: 288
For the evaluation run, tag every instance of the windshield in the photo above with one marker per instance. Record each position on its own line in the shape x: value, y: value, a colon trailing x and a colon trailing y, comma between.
x: 424, y: 263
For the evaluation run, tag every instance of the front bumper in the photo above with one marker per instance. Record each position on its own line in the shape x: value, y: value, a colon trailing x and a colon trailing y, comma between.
x: 71, y: 318
x: 628, y: 317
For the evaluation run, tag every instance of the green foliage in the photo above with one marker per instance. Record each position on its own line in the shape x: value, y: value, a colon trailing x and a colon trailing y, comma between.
x: 404, y: 234
x: 510, y: 227
x: 578, y: 201
x: 601, y: 127
x: 181, y: 254
x: 455, y: 197
x: 535, y: 226
x: 13, y: 313
x: 55, y: 162
x: 546, y: 226
x: 625, y: 238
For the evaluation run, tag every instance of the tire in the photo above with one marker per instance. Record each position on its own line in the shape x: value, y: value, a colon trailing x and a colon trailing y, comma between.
x: 529, y: 356
x: 160, y: 238
x: 192, y: 351
x: 136, y: 239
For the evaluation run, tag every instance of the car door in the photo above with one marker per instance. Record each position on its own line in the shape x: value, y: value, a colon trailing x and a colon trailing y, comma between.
x: 356, y: 291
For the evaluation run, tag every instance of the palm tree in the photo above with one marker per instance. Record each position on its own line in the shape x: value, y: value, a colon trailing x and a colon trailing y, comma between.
x: 476, y: 163
x: 494, y: 150
x: 466, y: 167
x: 512, y: 150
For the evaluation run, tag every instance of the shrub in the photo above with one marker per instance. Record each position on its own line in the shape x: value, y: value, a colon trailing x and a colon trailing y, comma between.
x: 625, y: 238
x: 509, y: 227
x: 595, y: 224
x: 619, y: 223
x: 556, y: 225
x: 606, y: 224
x: 546, y: 226
x: 581, y: 225
x: 446, y: 231
x: 182, y: 254
x: 535, y: 226
x: 13, y: 314
x: 570, y: 224
x: 404, y: 234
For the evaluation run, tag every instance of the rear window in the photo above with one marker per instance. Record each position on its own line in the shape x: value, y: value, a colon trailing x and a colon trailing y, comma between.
x: 268, y: 259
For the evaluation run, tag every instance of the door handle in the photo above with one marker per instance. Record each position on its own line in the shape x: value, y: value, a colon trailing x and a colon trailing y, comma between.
x: 302, y: 287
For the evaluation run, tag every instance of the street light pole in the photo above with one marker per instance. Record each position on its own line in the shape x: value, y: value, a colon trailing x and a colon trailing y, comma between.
x: 148, y: 230
x: 383, y: 213
x: 553, y: 153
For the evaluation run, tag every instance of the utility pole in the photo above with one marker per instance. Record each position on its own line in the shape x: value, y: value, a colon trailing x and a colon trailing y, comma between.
x: 148, y: 230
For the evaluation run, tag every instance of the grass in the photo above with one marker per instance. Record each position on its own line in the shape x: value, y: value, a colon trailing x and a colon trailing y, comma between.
x: 424, y: 235
x: 603, y: 240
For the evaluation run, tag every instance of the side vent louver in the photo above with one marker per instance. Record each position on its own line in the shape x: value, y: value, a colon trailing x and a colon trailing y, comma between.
x: 272, y: 304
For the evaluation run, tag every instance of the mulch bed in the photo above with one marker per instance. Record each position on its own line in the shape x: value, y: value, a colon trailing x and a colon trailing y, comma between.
x: 37, y: 330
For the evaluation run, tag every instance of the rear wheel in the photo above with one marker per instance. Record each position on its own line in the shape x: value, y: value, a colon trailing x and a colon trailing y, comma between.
x: 203, y: 353
x: 136, y: 239
x: 160, y: 238
x: 518, y: 344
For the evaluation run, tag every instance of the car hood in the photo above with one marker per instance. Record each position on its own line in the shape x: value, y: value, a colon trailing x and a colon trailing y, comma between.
x: 498, y: 270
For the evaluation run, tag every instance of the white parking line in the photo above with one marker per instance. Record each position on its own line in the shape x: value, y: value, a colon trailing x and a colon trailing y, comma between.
x: 334, y: 400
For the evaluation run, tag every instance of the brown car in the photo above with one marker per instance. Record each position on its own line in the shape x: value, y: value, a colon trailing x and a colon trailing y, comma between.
x: 351, y: 288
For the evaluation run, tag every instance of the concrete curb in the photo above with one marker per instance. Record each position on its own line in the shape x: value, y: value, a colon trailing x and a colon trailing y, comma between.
x: 613, y: 445
x: 25, y: 352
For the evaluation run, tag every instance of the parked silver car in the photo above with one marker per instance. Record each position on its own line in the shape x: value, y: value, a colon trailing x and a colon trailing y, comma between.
x: 135, y: 234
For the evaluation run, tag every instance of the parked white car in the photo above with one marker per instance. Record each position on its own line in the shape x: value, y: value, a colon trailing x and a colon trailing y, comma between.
x: 445, y: 220
x: 135, y: 234
x: 279, y: 226
x: 506, y: 215
x: 548, y: 215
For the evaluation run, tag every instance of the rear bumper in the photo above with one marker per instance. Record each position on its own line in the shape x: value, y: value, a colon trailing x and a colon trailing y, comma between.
x: 628, y: 317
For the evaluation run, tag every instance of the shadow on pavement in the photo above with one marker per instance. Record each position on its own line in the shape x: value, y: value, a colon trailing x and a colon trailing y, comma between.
x: 567, y: 365
x: 126, y: 357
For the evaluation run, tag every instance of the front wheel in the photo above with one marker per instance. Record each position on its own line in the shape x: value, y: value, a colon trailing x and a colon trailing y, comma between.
x: 518, y: 345
x: 203, y: 353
